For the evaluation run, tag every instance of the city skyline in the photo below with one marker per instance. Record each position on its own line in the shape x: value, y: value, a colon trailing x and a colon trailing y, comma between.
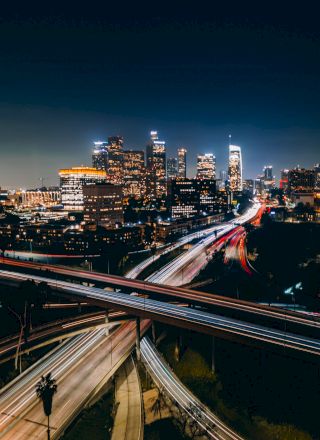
x: 29, y: 178
x: 193, y: 75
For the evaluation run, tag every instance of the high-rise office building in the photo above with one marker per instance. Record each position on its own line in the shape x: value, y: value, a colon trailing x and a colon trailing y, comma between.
x: 100, y: 155
x: 190, y: 197
x: 235, y: 168
x: 172, y: 167
x: 115, y: 160
x: 206, y: 166
x: 268, y: 172
x: 284, y: 179
x: 103, y: 204
x: 301, y: 180
x: 317, y: 177
x: 182, y: 163
x: 223, y: 175
x: 248, y: 185
x: 268, y: 177
x: 156, y: 166
x: 73, y: 180
x: 134, y: 174
x: 221, y: 182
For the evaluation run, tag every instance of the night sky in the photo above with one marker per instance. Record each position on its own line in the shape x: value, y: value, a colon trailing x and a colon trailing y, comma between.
x: 72, y: 76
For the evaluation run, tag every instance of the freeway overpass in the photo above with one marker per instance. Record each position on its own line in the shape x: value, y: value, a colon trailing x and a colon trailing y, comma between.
x: 172, y: 314
x: 163, y: 292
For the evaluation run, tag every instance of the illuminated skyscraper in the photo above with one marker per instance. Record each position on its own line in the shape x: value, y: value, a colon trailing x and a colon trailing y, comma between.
x: 235, y: 168
x: 190, y: 197
x: 268, y: 177
x: 172, y: 167
x: 267, y: 171
x: 206, y: 166
x: 317, y: 177
x: 100, y: 155
x: 134, y: 174
x: 156, y: 166
x: 301, y: 180
x: 103, y: 204
x: 284, y: 179
x: 72, y: 182
x: 115, y: 160
x: 182, y: 163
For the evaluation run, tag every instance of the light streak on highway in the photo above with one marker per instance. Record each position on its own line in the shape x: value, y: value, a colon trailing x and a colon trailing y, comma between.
x: 20, y: 395
x: 177, y: 293
x: 135, y: 272
x: 237, y: 251
x: 175, y: 315
x: 78, y: 365
x: 48, y: 331
x: 166, y: 379
x: 184, y: 268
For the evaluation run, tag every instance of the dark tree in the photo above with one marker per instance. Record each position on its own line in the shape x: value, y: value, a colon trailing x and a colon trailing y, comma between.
x: 19, y: 303
x: 45, y: 390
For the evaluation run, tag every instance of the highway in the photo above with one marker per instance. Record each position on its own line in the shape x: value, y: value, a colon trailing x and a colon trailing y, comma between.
x: 184, y: 268
x: 128, y: 421
x: 173, y: 314
x: 44, y: 334
x: 174, y: 271
x: 165, y: 379
x: 135, y: 271
x: 236, y: 251
x: 80, y: 365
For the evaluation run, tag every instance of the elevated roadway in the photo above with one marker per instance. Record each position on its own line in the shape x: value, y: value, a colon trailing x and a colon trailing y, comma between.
x: 54, y: 331
x: 81, y: 366
x: 128, y: 423
x: 155, y: 290
x: 172, y: 314
x: 179, y: 394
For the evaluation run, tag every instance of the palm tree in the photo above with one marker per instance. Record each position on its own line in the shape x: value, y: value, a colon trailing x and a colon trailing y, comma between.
x: 45, y: 390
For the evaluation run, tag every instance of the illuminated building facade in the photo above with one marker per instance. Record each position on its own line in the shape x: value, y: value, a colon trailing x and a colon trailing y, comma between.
x: 301, y: 180
x: 317, y: 177
x: 317, y: 190
x: 191, y: 197
x: 103, y: 205
x: 206, y: 166
x: 156, y: 167
x: 134, y: 176
x: 172, y: 168
x: 115, y: 169
x: 100, y: 155
x: 248, y: 185
x: 235, y: 168
x: 40, y: 197
x: 268, y: 177
x: 73, y: 180
x: 182, y: 163
x: 284, y: 179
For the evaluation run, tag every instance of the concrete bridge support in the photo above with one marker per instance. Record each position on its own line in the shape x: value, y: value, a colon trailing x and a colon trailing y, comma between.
x: 178, y: 347
x: 213, y: 357
x: 153, y: 329
x: 106, y: 320
x: 138, y: 337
